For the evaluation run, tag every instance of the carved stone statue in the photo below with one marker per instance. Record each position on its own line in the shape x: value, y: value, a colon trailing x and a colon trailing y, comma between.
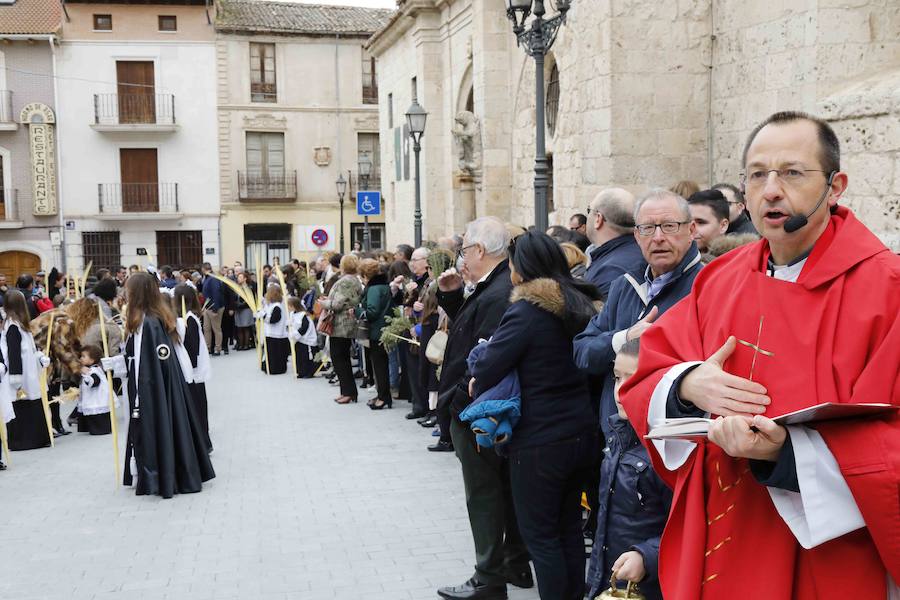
x: 467, y: 133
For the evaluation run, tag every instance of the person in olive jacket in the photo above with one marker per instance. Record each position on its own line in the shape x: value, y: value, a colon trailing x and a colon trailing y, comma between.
x: 375, y: 305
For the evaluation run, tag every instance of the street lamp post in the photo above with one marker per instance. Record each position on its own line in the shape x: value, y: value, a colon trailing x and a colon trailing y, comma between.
x: 365, y: 169
x: 341, y: 185
x: 537, y: 41
x: 415, y: 121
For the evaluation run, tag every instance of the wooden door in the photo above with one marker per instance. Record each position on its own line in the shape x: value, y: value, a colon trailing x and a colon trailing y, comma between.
x: 140, y: 183
x: 137, y: 91
x: 16, y: 262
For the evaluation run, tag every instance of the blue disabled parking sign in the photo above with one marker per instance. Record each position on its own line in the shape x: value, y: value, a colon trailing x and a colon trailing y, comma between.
x: 368, y: 204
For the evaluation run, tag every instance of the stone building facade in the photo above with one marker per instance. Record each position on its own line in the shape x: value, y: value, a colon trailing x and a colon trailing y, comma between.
x: 649, y: 93
x: 297, y: 108
x: 30, y: 227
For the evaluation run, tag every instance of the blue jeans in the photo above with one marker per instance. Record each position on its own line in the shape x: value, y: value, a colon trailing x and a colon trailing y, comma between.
x: 394, y: 368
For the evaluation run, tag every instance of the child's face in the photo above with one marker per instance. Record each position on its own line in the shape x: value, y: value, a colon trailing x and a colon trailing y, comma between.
x: 85, y: 360
x: 623, y: 368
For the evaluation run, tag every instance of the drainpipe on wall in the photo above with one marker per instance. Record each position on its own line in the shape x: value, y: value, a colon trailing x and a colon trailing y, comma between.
x: 709, y: 100
x: 59, y: 180
x: 337, y: 96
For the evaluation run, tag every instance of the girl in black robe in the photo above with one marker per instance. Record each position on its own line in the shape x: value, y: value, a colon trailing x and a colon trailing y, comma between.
x: 20, y: 391
x: 302, y: 333
x: 166, y: 452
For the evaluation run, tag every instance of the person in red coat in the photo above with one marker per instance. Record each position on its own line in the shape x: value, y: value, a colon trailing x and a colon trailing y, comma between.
x: 809, y: 314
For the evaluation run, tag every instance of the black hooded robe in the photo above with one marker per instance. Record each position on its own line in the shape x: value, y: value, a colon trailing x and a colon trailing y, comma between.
x: 165, y: 436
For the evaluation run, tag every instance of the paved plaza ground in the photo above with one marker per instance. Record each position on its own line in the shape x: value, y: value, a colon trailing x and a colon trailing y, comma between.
x: 312, y: 500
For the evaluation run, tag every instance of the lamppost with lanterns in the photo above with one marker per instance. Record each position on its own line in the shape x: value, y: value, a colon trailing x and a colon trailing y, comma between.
x: 341, y: 185
x: 537, y: 41
x: 415, y: 121
x: 365, y: 170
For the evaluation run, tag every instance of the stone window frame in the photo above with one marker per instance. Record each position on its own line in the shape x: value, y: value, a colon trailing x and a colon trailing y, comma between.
x: 551, y: 106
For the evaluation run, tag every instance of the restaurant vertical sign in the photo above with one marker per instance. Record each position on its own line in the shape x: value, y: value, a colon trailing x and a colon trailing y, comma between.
x: 40, y: 120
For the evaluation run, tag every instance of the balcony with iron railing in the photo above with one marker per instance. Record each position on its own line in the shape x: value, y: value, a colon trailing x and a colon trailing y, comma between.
x: 9, y: 209
x: 7, y: 118
x: 134, y: 112
x: 132, y: 200
x: 271, y: 186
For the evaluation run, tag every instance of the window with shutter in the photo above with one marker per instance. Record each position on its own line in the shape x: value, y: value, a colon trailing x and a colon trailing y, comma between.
x: 262, y: 73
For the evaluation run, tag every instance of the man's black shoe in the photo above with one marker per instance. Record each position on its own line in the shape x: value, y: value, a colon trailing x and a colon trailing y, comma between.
x: 473, y: 590
x: 445, y: 447
x: 520, y: 578
x: 414, y: 415
x: 429, y: 422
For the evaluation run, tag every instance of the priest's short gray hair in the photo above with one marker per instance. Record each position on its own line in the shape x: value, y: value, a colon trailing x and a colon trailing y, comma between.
x: 662, y: 194
x: 490, y: 233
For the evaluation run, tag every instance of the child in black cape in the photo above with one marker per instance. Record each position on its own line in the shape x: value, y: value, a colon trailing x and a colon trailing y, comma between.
x: 304, y: 336
x: 93, y: 403
x: 275, y: 328
x: 166, y: 451
x: 195, y: 360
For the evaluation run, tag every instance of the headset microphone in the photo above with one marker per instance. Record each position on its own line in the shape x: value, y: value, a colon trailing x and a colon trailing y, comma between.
x: 798, y: 222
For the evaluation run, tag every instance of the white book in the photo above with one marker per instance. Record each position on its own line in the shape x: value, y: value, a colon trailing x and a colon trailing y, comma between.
x: 698, y: 427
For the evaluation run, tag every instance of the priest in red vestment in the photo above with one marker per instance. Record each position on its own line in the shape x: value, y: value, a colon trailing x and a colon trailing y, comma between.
x: 807, y: 315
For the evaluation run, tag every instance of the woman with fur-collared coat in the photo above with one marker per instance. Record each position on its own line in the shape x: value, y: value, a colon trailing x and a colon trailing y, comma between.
x: 555, y: 447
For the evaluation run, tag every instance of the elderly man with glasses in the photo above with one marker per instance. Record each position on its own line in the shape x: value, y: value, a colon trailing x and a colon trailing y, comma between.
x: 610, y: 226
x: 664, y: 231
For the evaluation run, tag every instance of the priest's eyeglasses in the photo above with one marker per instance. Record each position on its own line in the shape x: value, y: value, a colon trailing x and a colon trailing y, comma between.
x: 791, y: 176
x: 669, y: 227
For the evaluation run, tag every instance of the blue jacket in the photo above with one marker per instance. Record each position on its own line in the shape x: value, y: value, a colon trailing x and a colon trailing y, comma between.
x: 632, y: 510
x: 534, y: 339
x: 613, y: 259
x: 626, y: 305
x: 496, y: 411
x: 212, y: 291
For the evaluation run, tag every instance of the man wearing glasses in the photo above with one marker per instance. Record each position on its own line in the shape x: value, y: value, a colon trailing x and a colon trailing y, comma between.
x: 665, y: 235
x: 807, y: 315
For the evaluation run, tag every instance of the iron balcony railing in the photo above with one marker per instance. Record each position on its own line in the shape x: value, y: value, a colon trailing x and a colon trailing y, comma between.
x: 134, y: 109
x: 6, y: 113
x: 123, y: 198
x: 271, y: 186
x: 9, y: 205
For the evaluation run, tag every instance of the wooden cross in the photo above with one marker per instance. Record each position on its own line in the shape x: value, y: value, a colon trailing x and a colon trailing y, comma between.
x: 756, y: 349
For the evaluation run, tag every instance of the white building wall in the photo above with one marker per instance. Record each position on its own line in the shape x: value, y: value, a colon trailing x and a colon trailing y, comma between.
x: 188, y: 156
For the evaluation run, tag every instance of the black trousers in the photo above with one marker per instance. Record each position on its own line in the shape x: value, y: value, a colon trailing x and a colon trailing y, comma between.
x: 498, y: 544
x: 340, y: 360
x: 381, y: 371
x: 418, y: 395
x: 547, y: 482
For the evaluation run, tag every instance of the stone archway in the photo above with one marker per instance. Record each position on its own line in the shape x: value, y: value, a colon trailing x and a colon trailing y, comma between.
x: 465, y: 182
x: 15, y: 262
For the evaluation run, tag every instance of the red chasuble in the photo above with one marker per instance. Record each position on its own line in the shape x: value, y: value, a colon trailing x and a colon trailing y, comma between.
x: 835, y: 336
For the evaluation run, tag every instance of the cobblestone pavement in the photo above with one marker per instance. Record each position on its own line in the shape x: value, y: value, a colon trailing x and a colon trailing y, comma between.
x: 312, y: 500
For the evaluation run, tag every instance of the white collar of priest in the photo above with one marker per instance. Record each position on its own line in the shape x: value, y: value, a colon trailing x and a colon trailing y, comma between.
x: 789, y: 272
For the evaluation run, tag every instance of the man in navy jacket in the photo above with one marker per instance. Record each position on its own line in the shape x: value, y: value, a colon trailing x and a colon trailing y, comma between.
x: 613, y: 249
x: 212, y: 316
x: 664, y: 231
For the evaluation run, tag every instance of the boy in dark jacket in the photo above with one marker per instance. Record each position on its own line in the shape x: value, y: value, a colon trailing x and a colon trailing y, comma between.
x: 634, y: 502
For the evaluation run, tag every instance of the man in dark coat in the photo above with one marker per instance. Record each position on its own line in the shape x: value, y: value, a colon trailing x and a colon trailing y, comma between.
x: 500, y: 553
x: 613, y: 250
x: 637, y: 298
x: 738, y: 220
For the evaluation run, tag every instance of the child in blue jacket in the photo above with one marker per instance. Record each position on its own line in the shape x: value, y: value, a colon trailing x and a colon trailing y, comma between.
x: 633, y: 505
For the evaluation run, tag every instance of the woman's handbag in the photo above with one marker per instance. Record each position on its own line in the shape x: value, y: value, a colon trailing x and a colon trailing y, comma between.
x: 326, y: 323
x: 362, y: 333
x: 437, y: 345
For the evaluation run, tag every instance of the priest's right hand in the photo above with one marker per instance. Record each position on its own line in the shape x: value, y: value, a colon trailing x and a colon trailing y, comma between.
x: 710, y: 388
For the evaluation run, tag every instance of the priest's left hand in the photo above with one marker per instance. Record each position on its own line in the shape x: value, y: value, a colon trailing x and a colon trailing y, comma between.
x: 753, y: 437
